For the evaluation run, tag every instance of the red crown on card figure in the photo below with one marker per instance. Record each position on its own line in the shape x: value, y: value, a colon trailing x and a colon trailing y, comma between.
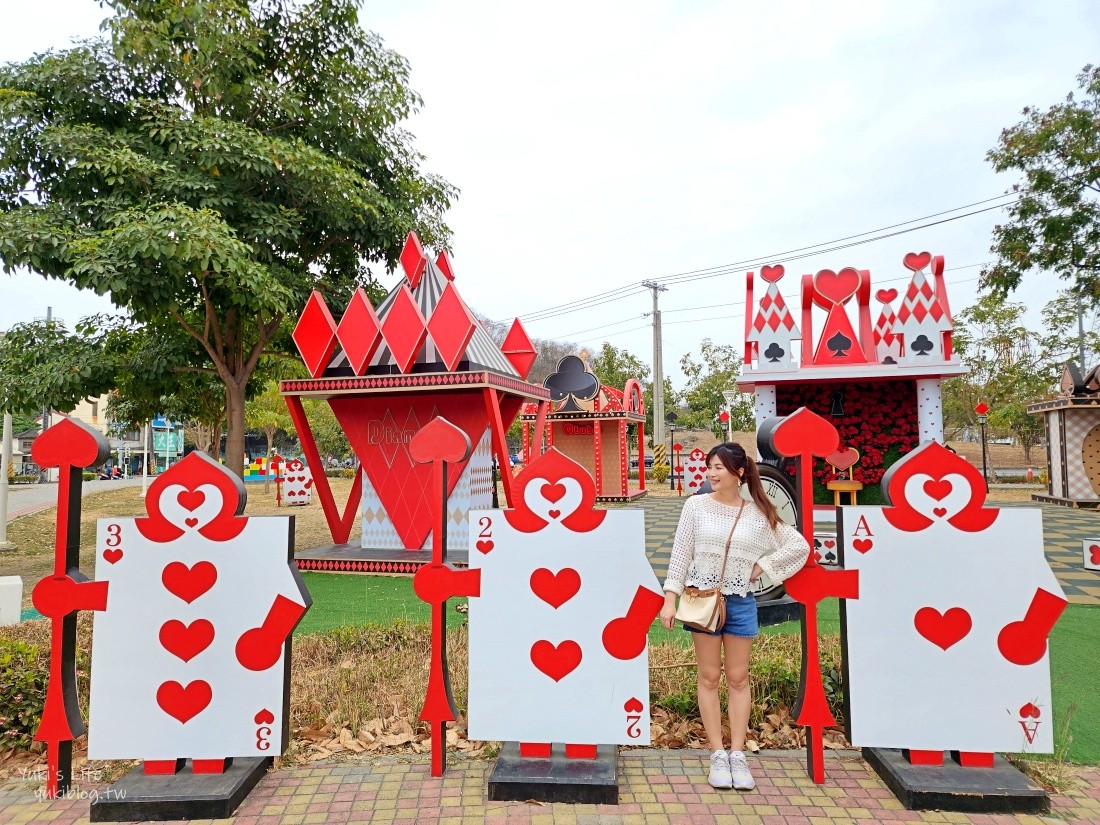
x: 195, y: 494
x: 934, y: 484
x: 554, y: 488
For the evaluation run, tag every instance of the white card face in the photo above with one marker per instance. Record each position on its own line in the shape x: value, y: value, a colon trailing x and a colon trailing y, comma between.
x: 558, y: 635
x: 940, y: 615
x: 167, y: 679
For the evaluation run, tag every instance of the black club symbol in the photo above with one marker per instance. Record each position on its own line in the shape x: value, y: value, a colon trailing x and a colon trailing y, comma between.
x: 774, y: 353
x: 921, y: 345
x: 572, y: 381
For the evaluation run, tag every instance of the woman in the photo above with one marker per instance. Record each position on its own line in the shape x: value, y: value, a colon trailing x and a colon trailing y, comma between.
x: 743, y: 534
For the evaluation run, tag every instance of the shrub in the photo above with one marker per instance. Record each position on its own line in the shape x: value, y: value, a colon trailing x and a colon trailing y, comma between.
x: 24, y: 479
x: 660, y: 473
x: 88, y: 476
x: 23, y: 672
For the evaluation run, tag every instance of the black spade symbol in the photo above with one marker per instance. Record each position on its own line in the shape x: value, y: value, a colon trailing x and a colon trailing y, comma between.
x: 830, y: 556
x: 921, y: 345
x: 839, y: 344
x: 570, y: 382
x: 774, y: 353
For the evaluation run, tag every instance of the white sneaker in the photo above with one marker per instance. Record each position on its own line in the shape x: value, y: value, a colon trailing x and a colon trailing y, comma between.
x: 740, y: 773
x: 720, y: 776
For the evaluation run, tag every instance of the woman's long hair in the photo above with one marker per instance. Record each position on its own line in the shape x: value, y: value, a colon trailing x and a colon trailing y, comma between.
x: 735, y: 459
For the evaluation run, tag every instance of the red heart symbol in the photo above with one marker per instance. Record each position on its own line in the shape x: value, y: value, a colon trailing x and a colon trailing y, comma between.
x: 837, y: 287
x: 184, y: 703
x: 1095, y: 554
x: 1030, y: 711
x: 555, y: 588
x: 942, y: 629
x: 265, y: 717
x: 938, y: 490
x: 553, y: 513
x: 863, y: 545
x: 771, y: 274
x: 917, y: 261
x: 843, y: 459
x: 191, y: 500
x: 112, y: 555
x: 190, y: 521
x: 886, y: 295
x: 939, y: 512
x: 553, y: 492
x: 484, y: 546
x: 186, y: 640
x: 188, y: 583
x: 633, y: 705
x: 829, y: 543
x: 439, y: 439
x: 558, y: 661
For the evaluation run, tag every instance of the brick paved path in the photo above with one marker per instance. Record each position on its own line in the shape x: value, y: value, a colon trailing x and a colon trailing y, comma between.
x: 655, y: 786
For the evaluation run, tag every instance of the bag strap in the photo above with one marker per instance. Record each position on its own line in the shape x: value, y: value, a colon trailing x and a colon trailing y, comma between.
x: 729, y: 539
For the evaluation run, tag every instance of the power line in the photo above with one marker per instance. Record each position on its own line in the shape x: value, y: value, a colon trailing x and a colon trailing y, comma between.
x: 808, y: 251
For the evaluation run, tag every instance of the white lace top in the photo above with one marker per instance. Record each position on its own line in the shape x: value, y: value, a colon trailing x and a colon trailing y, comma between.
x: 701, y: 539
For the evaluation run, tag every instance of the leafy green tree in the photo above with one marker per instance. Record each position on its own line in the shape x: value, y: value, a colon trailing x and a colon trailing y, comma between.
x: 210, y: 165
x: 1061, y: 340
x: 43, y: 365
x: 706, y: 380
x: 1055, y: 224
x: 614, y: 367
x: 1008, y: 370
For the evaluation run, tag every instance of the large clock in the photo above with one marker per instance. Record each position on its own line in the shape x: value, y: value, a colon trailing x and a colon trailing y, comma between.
x: 778, y: 487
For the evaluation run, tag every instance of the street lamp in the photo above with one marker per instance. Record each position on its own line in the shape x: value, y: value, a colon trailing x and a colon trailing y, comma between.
x: 982, y: 410
x: 671, y: 419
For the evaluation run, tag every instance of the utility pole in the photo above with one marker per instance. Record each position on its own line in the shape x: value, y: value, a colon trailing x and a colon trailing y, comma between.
x: 658, y: 368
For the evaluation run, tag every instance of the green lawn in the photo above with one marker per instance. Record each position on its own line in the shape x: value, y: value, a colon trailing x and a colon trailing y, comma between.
x: 340, y: 600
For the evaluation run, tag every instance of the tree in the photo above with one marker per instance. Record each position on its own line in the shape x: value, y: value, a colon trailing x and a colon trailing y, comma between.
x: 44, y: 366
x: 1055, y: 224
x: 212, y: 164
x: 706, y: 380
x: 1008, y: 371
x: 1061, y: 340
x: 268, y: 413
x: 614, y: 367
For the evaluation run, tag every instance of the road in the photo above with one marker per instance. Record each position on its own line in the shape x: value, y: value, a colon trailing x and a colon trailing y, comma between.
x: 24, y: 499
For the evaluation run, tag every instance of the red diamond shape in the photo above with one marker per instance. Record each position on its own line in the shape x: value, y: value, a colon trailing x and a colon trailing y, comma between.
x: 445, y: 265
x: 315, y: 334
x: 413, y: 259
x: 404, y: 329
x: 451, y: 327
x: 359, y: 332
x: 518, y: 349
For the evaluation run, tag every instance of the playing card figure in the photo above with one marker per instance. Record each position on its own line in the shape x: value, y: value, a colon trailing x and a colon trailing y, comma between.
x: 297, y: 482
x: 695, y: 471
x: 190, y: 657
x: 946, y: 644
x: 558, y: 634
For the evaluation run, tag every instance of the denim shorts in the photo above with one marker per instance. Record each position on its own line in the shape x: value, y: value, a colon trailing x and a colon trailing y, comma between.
x: 740, y: 618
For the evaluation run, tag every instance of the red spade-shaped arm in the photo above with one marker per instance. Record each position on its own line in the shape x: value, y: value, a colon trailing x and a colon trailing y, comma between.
x: 804, y: 434
x: 70, y: 446
x: 439, y: 442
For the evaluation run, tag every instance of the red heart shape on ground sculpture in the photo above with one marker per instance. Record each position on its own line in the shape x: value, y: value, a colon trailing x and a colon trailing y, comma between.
x: 188, y: 583
x: 633, y: 705
x: 804, y: 431
x: 917, y: 261
x: 771, y: 274
x: 556, y: 661
x: 555, y: 588
x: 942, y: 629
x: 264, y: 717
x: 553, y: 492
x: 184, y: 703
x: 186, y: 641
x: 837, y: 287
x: 191, y: 500
x: 70, y: 443
x: 938, y: 490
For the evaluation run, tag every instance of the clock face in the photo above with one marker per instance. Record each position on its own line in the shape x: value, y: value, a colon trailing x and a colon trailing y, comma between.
x: 779, y: 490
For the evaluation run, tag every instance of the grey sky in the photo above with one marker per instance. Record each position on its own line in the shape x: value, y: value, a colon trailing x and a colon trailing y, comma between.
x: 597, y: 145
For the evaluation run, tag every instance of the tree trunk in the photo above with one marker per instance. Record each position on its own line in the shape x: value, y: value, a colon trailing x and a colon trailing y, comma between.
x: 234, y: 414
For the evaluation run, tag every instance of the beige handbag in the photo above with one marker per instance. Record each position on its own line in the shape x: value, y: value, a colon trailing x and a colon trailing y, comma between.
x: 706, y: 609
